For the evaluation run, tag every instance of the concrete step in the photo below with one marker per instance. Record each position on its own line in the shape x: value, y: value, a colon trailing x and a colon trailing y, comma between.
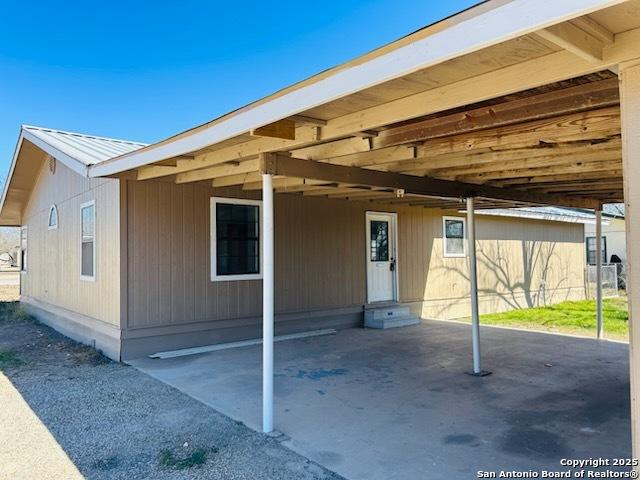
x: 389, y: 317
x: 391, y: 311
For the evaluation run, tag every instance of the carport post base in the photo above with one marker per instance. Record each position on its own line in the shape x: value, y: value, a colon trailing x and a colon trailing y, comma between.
x: 481, y: 373
x: 630, y: 121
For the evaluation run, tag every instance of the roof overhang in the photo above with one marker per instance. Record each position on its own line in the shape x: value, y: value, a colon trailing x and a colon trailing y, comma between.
x: 485, y: 25
x: 28, y: 157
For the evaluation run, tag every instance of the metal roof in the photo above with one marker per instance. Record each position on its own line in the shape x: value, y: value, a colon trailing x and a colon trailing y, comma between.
x: 87, y: 149
x: 558, y: 214
x: 614, y: 209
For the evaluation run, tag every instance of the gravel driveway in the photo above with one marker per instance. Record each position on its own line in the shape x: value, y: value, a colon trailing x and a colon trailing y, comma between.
x: 115, y: 422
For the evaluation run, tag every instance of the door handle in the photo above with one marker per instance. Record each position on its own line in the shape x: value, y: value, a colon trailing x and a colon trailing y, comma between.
x: 392, y: 265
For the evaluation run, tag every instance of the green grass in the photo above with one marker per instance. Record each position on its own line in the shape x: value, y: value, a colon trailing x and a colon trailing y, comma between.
x: 9, y: 359
x: 194, y: 459
x: 577, y: 318
x: 12, y: 312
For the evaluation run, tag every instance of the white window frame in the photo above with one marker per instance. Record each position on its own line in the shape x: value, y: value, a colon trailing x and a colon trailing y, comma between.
x: 84, y: 205
x: 23, y: 265
x: 214, y: 260
x: 445, y: 253
x: 51, y: 209
x: 604, y: 248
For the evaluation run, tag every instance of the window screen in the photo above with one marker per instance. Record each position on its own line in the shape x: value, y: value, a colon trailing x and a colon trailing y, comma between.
x: 453, y: 237
x: 87, y: 267
x: 237, y: 239
x: 379, y: 241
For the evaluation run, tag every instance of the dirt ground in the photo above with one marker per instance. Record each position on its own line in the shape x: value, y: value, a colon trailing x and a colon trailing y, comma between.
x: 74, y: 410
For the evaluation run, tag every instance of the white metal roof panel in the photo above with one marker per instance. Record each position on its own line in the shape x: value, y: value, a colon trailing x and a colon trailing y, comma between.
x: 558, y: 214
x: 87, y: 149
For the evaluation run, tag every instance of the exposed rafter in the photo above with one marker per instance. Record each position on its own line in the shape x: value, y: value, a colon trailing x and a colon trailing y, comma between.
x: 575, y: 99
x: 279, y: 164
x: 304, y: 134
x: 574, y: 39
x: 284, y: 129
x: 247, y: 166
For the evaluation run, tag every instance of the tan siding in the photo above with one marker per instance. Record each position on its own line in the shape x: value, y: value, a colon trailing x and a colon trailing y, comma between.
x: 521, y: 263
x: 320, y: 258
x: 54, y: 255
x: 169, y: 257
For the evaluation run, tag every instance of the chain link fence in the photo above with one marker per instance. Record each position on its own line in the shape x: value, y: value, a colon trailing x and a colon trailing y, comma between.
x: 612, y: 280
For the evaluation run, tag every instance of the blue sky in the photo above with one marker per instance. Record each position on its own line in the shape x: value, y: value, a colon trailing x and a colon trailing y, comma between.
x: 146, y: 70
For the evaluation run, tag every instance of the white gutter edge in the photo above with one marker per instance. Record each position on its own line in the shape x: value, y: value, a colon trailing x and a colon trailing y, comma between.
x: 503, y: 23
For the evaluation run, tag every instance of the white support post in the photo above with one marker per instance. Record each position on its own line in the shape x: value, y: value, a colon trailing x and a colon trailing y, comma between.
x: 267, y: 303
x: 473, y: 280
x: 630, y: 117
x: 599, y: 323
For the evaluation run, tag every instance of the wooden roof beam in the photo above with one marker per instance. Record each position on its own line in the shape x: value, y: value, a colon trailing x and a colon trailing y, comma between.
x: 284, y: 129
x: 237, y: 179
x: 210, y: 173
x: 522, y: 182
x: 574, y: 39
x: 594, y: 29
x: 305, y: 120
x: 278, y: 164
x: 244, y: 151
x: 283, y: 184
x: 600, y: 94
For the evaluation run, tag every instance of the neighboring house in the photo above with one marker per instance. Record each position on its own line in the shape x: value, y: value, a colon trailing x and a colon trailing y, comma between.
x: 613, y: 236
x: 134, y: 267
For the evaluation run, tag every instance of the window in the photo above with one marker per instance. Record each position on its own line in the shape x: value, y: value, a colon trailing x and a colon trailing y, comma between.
x: 23, y: 249
x: 235, y: 239
x: 88, y: 241
x: 591, y: 250
x: 379, y: 241
x: 53, y: 217
x: 453, y: 236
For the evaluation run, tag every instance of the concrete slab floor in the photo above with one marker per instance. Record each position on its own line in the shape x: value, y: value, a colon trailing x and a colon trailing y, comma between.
x: 396, y: 404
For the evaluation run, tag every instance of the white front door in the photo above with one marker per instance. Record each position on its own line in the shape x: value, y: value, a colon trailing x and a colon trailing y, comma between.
x: 381, y: 257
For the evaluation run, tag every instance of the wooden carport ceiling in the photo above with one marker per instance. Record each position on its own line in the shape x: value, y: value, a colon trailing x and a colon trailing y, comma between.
x: 559, y: 140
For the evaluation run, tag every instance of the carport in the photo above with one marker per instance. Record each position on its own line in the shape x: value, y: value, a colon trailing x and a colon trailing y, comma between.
x: 506, y: 104
x: 394, y: 404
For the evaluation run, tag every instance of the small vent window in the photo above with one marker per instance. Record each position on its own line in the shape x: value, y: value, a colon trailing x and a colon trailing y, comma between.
x: 53, y: 217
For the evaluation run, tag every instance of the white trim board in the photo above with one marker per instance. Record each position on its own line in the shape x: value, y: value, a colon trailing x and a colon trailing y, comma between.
x: 506, y: 22
x: 244, y: 343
